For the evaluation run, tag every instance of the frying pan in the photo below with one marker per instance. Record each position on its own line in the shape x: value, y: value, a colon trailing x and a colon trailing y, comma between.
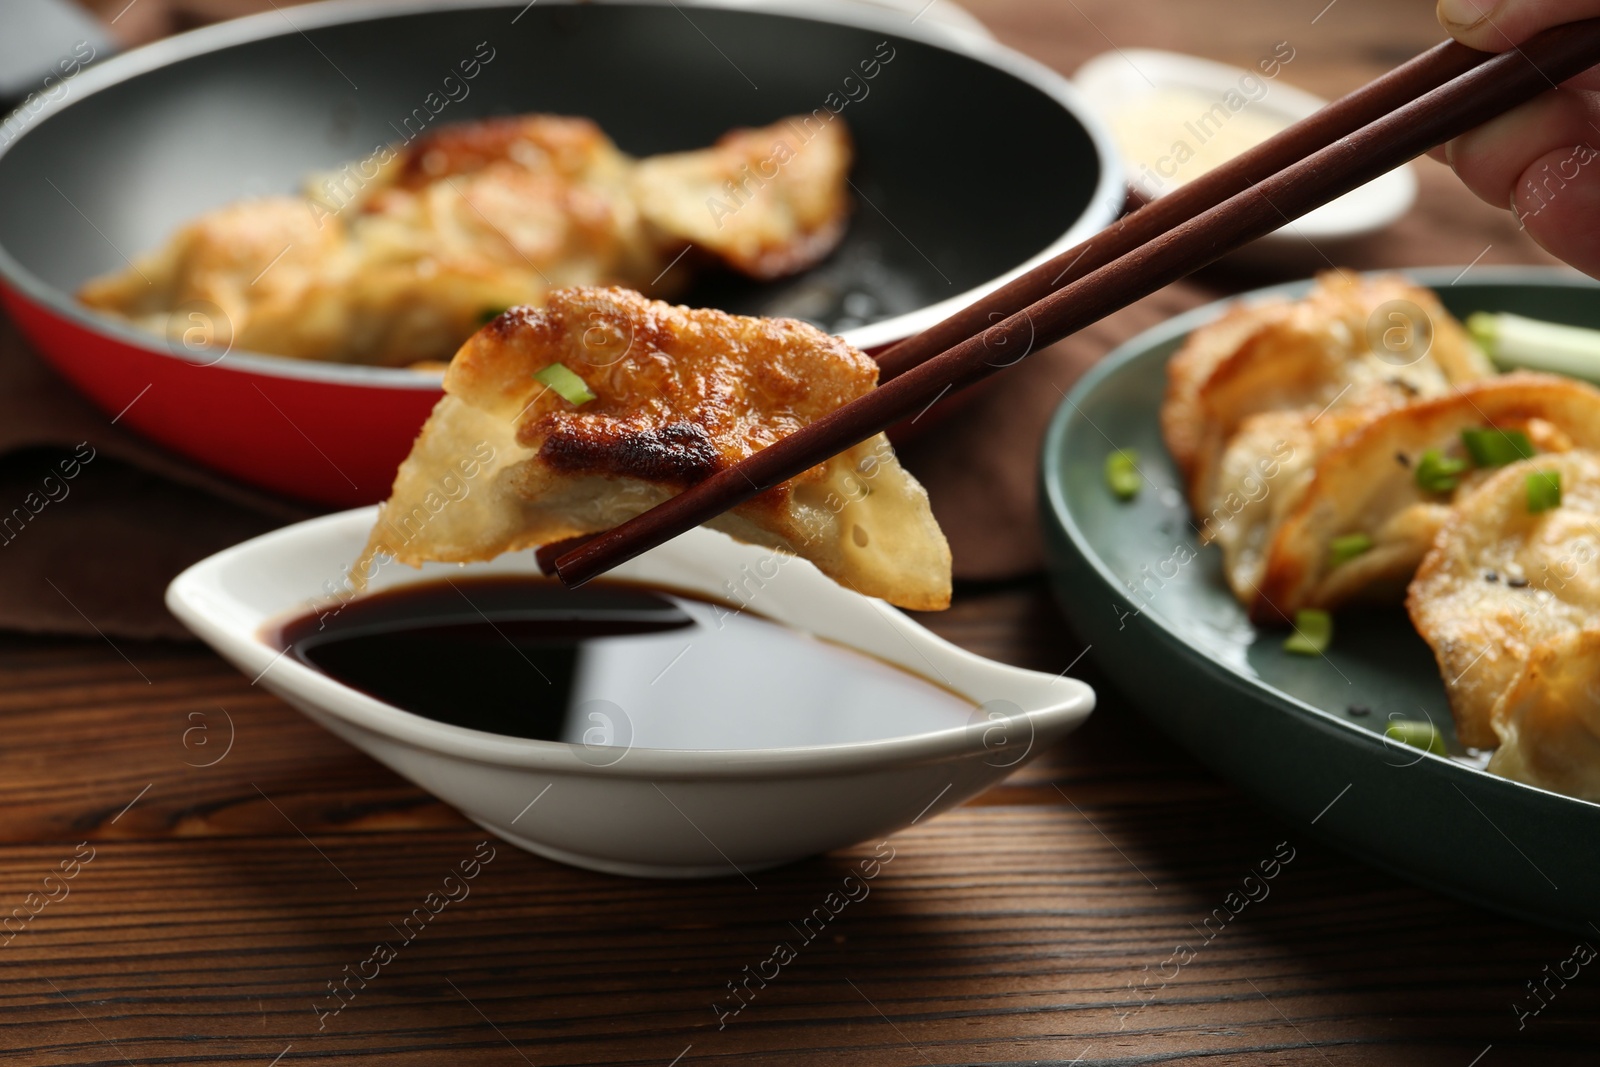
x: 973, y: 163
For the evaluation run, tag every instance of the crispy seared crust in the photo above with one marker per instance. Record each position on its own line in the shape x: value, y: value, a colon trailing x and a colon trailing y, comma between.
x: 397, y: 259
x: 554, y: 144
x: 1359, y: 486
x: 1484, y: 633
x: 680, y: 393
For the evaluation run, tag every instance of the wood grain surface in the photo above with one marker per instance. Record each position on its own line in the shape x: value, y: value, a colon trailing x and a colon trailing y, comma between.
x: 220, y: 902
x: 242, y: 858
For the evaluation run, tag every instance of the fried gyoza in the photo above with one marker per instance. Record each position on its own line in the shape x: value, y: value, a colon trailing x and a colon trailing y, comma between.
x: 1339, y: 447
x: 678, y: 395
x: 1548, y: 722
x: 1353, y: 344
x: 1183, y: 418
x: 217, y: 268
x: 1261, y: 475
x: 768, y: 202
x: 399, y: 258
x: 1366, y: 484
x: 1501, y: 581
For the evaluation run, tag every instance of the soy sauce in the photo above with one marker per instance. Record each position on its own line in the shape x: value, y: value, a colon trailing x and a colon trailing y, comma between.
x: 610, y: 666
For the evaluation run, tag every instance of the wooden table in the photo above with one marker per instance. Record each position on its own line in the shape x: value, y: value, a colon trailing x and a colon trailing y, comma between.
x: 237, y: 870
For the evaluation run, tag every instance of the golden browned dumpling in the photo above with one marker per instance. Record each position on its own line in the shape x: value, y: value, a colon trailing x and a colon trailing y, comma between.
x: 436, y: 263
x: 1353, y: 344
x: 677, y: 394
x: 397, y: 259
x: 574, y: 149
x: 1366, y: 486
x: 1260, y: 477
x: 1338, y: 447
x: 262, y: 274
x: 1256, y: 397
x: 1501, y: 580
x: 1183, y: 420
x: 769, y: 201
x: 1548, y: 722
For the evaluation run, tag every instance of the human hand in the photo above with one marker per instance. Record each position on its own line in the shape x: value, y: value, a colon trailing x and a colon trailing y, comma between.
x: 1541, y: 159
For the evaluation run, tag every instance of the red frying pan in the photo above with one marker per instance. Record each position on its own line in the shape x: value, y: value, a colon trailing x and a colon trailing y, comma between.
x: 973, y: 163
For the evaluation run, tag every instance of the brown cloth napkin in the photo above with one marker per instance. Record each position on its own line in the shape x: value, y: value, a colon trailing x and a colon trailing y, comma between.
x: 94, y: 522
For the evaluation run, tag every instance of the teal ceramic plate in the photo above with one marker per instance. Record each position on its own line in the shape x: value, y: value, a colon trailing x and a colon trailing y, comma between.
x: 1163, y: 626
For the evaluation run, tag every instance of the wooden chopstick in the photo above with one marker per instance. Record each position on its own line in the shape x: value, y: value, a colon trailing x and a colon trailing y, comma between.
x: 1344, y: 116
x: 1488, y: 89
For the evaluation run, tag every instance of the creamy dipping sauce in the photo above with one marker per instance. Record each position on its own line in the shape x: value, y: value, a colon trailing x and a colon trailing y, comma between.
x: 1173, y: 135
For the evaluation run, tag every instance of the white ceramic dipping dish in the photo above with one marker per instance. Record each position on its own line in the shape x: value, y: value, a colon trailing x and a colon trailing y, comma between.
x: 651, y: 812
x: 1114, y: 80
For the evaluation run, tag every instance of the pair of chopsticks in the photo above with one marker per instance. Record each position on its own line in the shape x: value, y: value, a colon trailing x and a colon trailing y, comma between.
x: 1430, y: 99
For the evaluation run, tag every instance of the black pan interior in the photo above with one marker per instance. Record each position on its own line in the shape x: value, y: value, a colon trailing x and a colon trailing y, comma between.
x: 963, y: 171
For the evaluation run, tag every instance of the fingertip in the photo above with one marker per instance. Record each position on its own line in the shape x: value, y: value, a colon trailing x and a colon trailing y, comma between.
x: 1472, y: 22
x: 1492, y: 159
x: 1496, y: 25
x: 1557, y: 200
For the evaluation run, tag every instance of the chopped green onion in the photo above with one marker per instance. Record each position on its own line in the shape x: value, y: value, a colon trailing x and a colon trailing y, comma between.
x: 1417, y: 734
x: 1313, y: 632
x: 1496, y: 448
x: 1348, y: 547
x: 1438, y: 473
x: 1544, y: 491
x: 488, y: 315
x: 1122, y: 473
x: 563, y: 381
x: 1514, y: 341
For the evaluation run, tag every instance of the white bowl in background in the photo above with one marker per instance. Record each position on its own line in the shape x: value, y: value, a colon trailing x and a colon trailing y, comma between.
x: 651, y: 812
x: 1113, y: 80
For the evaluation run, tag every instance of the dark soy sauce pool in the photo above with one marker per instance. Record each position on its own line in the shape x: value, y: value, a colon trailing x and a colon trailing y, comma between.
x: 611, y: 665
